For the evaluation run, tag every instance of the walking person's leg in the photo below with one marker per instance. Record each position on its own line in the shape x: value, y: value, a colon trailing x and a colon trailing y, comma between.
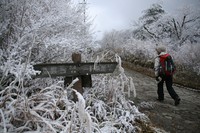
x: 160, y: 90
x: 172, y: 93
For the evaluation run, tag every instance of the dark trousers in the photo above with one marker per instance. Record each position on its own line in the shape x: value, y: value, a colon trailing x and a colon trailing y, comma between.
x: 168, y: 81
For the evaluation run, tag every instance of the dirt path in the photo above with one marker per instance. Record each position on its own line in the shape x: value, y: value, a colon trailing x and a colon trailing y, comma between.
x: 184, y: 118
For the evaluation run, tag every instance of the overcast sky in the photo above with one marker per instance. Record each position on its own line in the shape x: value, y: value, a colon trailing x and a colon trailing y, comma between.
x: 118, y: 14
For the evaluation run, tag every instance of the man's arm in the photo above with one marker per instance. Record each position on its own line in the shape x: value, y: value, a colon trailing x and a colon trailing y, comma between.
x: 156, y: 66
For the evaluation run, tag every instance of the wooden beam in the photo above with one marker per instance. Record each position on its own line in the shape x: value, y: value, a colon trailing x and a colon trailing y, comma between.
x: 74, y: 69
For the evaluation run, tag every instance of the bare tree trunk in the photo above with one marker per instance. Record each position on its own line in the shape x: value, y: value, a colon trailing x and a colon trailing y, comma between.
x: 176, y: 29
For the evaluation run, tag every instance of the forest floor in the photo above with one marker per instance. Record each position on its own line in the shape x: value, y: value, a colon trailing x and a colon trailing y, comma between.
x: 184, y: 118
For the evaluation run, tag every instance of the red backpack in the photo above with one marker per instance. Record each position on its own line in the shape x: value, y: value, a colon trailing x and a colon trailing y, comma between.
x: 167, y: 66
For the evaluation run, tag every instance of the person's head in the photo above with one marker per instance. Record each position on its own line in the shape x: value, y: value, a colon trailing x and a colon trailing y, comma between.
x: 160, y: 48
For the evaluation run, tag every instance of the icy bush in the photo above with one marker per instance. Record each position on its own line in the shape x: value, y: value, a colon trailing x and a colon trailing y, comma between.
x: 188, y: 55
x: 43, y: 110
x: 102, y: 108
x: 108, y: 103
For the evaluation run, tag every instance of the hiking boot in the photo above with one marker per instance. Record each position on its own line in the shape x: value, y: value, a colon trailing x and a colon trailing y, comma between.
x: 177, y: 101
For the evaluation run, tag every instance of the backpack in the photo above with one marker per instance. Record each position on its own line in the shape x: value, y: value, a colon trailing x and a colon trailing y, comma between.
x: 167, y: 66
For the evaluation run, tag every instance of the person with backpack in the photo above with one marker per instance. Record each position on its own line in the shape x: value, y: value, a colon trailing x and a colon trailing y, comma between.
x: 164, y: 69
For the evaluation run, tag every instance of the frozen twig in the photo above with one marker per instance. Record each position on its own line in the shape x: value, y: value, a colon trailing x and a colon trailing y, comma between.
x: 4, y: 121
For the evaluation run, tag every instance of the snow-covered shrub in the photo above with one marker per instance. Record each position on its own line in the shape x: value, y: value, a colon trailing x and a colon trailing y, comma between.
x: 49, y: 109
x: 45, y: 106
x: 43, y: 110
x: 107, y: 102
x: 188, y: 56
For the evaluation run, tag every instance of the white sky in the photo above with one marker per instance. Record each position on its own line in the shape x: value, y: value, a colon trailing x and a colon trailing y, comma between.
x: 119, y: 14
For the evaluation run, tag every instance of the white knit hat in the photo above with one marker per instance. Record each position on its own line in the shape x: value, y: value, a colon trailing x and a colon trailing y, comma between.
x: 161, y: 48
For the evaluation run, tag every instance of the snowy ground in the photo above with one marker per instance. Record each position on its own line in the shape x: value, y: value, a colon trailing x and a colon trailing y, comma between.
x: 184, y: 118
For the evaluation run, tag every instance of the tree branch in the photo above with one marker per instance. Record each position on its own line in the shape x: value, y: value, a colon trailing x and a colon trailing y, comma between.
x: 192, y: 20
x: 183, y: 23
x: 176, y: 29
x: 152, y: 34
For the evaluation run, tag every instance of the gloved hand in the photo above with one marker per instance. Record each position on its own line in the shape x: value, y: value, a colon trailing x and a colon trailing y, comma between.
x: 158, y: 79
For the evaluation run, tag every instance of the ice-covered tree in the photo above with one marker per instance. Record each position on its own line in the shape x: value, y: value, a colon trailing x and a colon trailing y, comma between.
x: 165, y: 27
x: 150, y: 16
x: 40, y: 31
x: 115, y: 40
x: 186, y: 26
x: 178, y: 31
x: 109, y: 39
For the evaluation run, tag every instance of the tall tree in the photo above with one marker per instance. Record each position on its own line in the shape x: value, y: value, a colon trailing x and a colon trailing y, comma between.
x: 151, y: 15
x: 186, y: 26
x: 39, y: 31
